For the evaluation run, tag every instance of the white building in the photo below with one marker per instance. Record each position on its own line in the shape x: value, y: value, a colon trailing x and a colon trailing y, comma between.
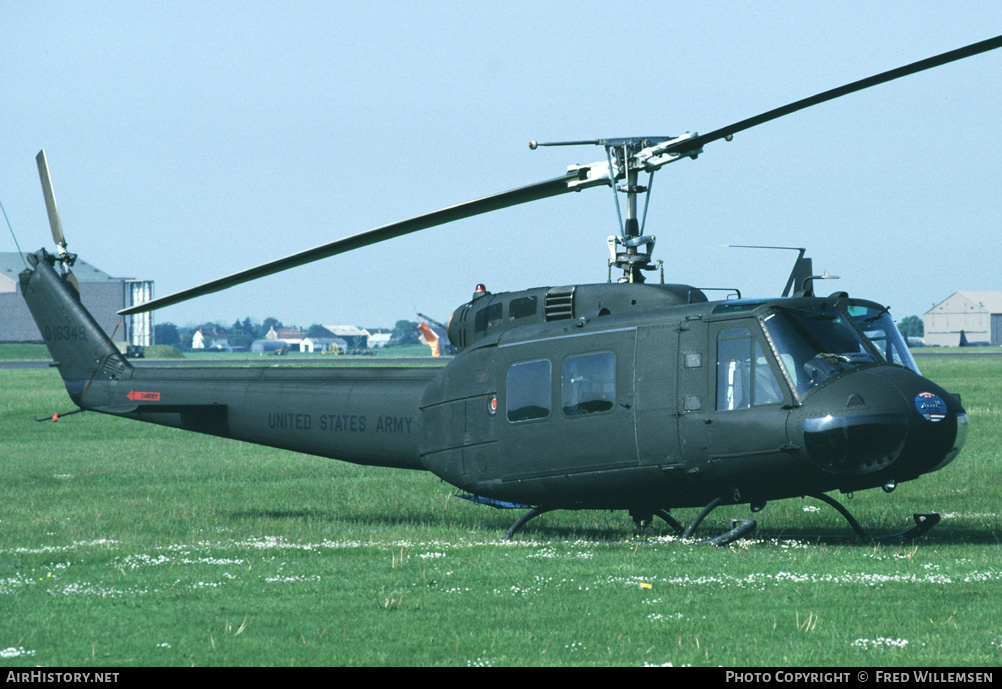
x: 379, y: 340
x: 202, y: 341
x: 322, y: 344
x: 293, y: 337
x: 978, y: 315
x: 357, y: 338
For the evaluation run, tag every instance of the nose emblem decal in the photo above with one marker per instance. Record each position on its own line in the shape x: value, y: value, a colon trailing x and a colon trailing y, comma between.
x: 930, y: 406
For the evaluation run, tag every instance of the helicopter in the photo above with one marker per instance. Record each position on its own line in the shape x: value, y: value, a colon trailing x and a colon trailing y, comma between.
x: 625, y: 395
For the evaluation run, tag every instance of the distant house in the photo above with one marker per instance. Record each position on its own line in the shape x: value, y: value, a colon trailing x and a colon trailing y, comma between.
x: 975, y: 315
x: 321, y: 344
x: 210, y: 338
x: 292, y: 336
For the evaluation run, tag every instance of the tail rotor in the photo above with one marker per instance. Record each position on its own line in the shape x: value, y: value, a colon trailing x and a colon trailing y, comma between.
x: 65, y: 257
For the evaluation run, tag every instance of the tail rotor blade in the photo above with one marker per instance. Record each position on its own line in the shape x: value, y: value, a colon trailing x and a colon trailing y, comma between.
x: 50, y: 201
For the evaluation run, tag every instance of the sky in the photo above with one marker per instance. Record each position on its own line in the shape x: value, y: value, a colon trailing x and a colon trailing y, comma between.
x: 190, y: 140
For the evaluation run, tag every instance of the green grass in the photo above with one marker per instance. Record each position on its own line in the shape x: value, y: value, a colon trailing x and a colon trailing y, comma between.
x: 20, y: 351
x: 162, y: 352
x: 125, y: 544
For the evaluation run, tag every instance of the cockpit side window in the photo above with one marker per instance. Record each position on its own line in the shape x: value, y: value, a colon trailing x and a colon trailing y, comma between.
x: 816, y: 343
x: 879, y: 328
x: 744, y: 377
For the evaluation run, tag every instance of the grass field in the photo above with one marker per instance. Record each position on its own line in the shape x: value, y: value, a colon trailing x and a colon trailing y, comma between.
x: 125, y: 544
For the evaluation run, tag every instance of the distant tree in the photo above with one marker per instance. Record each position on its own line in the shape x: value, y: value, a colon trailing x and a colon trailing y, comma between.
x: 166, y: 334
x: 185, y: 333
x: 404, y: 333
x: 242, y: 333
x: 266, y: 325
x: 911, y: 326
x: 238, y: 338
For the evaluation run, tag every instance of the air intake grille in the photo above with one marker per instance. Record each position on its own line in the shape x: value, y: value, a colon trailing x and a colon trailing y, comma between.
x: 113, y: 367
x: 559, y: 303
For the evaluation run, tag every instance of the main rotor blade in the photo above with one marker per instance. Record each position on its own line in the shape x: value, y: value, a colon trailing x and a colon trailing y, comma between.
x: 50, y: 200
x: 575, y: 180
x: 572, y: 181
x: 696, y: 142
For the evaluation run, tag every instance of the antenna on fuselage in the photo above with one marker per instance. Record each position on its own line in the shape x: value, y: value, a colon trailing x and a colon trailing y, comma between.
x: 803, y: 267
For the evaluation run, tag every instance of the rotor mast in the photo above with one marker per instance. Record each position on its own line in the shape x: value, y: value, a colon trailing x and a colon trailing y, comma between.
x: 637, y: 247
x: 631, y: 251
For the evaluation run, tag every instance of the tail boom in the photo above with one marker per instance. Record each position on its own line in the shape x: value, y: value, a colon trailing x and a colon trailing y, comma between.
x: 362, y: 415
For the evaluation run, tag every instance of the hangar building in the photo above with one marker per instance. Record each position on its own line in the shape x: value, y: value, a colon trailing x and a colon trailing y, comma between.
x: 978, y: 315
x: 101, y: 294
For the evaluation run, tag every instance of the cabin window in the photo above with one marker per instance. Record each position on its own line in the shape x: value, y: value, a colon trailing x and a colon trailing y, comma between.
x: 744, y: 378
x: 528, y: 391
x: 522, y: 308
x: 588, y: 383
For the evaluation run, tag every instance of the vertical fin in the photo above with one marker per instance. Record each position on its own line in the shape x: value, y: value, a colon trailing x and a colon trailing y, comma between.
x: 83, y: 352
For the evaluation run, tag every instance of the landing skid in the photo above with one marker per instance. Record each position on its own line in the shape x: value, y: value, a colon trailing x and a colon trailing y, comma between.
x: 923, y: 522
x: 663, y: 514
x: 523, y: 520
x: 739, y: 527
x: 643, y: 519
x: 742, y: 527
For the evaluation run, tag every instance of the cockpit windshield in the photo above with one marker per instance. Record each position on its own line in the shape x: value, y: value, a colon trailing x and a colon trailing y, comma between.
x: 877, y: 324
x: 816, y: 342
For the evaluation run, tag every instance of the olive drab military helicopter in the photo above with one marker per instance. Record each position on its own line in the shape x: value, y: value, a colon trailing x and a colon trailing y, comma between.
x: 626, y: 395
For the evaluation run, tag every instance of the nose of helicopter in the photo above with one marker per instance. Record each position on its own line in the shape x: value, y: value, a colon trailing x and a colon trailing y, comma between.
x: 881, y: 418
